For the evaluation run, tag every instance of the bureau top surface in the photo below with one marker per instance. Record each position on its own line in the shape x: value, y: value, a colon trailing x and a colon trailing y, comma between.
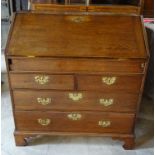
x: 57, y: 35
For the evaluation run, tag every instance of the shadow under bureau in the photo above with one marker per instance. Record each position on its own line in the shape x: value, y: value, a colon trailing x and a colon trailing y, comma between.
x: 76, y: 75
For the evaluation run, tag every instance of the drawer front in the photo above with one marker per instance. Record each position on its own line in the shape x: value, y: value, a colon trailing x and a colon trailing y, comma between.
x: 55, y: 7
x: 77, y: 65
x: 110, y: 9
x: 74, y: 122
x: 69, y: 100
x: 110, y: 83
x: 42, y: 81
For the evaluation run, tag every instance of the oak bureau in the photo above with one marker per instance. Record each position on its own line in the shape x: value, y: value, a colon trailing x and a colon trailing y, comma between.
x: 76, y: 75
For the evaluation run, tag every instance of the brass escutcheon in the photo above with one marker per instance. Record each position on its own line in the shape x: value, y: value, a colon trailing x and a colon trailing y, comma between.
x: 41, y: 79
x: 104, y: 123
x: 109, y: 80
x: 44, y: 122
x: 75, y: 96
x: 106, y: 102
x: 78, y: 19
x: 74, y: 116
x: 44, y: 101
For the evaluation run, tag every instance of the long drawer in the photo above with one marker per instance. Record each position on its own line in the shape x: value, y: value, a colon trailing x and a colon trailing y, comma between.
x: 56, y: 65
x: 69, y: 100
x: 42, y: 81
x: 74, y: 122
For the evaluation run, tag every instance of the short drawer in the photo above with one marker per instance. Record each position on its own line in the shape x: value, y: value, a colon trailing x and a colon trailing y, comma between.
x: 69, y: 100
x: 74, y: 122
x: 42, y: 81
x: 69, y: 65
x: 110, y: 83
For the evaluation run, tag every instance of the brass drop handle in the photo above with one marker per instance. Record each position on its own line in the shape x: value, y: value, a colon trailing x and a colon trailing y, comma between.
x: 74, y: 116
x: 104, y: 123
x: 106, y: 102
x: 43, y: 101
x: 75, y: 96
x: 41, y: 79
x: 44, y: 122
x: 109, y: 80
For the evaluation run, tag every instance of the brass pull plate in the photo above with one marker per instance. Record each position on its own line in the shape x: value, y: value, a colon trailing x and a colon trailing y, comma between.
x: 109, y: 80
x: 104, y: 123
x: 41, y: 79
x: 44, y: 122
x: 44, y: 101
x: 106, y: 102
x: 75, y: 96
x: 74, y: 116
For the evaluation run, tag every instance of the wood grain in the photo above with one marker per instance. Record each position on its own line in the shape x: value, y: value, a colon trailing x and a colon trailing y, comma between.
x: 62, y: 36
